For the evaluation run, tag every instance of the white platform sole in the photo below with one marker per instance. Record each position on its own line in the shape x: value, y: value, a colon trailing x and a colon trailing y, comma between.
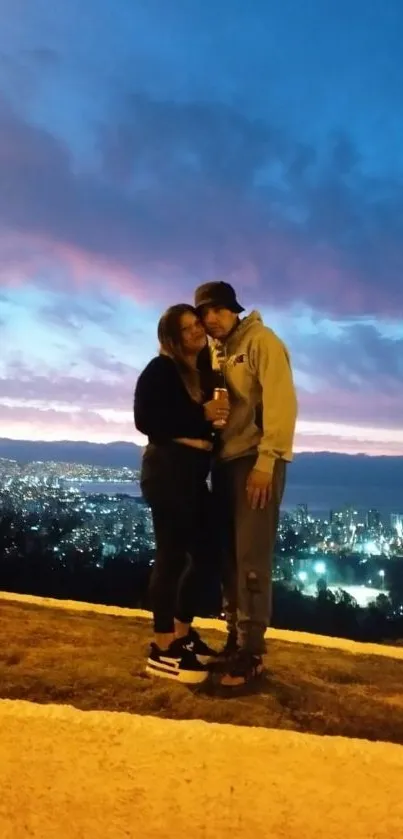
x: 184, y: 677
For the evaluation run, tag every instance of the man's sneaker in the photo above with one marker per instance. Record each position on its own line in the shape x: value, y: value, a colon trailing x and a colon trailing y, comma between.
x: 227, y: 652
x: 243, y: 669
x: 204, y: 653
x: 178, y: 663
x: 230, y: 647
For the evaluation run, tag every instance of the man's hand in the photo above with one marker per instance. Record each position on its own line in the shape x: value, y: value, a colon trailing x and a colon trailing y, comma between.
x: 258, y: 489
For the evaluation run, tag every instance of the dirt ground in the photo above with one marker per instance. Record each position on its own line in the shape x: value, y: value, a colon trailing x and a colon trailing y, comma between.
x: 94, y: 661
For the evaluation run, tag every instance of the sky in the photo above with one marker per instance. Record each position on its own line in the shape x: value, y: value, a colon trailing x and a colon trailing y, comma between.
x: 149, y: 147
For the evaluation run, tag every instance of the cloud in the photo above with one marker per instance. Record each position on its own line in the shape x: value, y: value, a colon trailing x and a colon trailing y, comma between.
x: 357, y: 353
x: 159, y: 140
x: 354, y: 377
x: 190, y: 190
x: 100, y: 360
x: 27, y: 422
x: 361, y: 361
x: 368, y: 410
x: 67, y: 313
x: 66, y: 392
x: 350, y: 394
x: 107, y: 382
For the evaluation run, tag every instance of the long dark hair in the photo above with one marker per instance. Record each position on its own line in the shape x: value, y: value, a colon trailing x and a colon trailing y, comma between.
x: 170, y: 340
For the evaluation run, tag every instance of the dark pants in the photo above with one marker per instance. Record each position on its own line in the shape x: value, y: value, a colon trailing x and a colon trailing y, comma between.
x: 173, y: 482
x: 247, y: 539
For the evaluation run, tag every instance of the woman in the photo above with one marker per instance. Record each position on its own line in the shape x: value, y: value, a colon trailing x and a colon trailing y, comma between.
x: 174, y: 410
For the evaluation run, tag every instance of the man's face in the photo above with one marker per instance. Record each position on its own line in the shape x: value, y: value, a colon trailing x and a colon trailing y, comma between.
x: 218, y: 322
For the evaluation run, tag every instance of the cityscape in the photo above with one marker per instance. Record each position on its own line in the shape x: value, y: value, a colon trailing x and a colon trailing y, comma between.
x: 99, y: 511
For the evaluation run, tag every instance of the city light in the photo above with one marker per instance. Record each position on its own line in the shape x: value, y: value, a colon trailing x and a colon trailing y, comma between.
x: 371, y: 548
x: 320, y: 567
x: 104, y: 518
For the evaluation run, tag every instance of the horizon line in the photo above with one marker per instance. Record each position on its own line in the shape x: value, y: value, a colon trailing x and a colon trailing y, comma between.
x: 297, y: 451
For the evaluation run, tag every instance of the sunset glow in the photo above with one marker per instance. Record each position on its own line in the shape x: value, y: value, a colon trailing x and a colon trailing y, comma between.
x: 270, y: 158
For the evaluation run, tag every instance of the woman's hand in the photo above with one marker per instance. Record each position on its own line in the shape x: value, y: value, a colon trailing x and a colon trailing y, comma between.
x: 216, y: 411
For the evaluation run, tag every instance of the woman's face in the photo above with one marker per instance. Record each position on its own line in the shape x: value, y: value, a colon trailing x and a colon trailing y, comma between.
x: 193, y: 335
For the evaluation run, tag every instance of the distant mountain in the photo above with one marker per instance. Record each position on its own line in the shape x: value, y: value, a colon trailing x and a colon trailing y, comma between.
x: 66, y: 451
x: 319, y: 469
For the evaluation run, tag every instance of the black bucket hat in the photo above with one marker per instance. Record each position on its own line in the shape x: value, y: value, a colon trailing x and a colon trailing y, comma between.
x: 219, y: 295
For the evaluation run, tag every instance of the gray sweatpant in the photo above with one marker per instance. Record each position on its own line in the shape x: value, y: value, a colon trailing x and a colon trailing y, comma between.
x: 246, y: 540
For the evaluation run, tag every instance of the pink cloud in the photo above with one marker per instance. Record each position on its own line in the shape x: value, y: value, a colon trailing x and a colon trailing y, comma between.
x: 366, y: 418
x: 25, y: 422
x: 28, y: 256
x: 56, y: 390
x: 360, y: 407
x: 189, y: 224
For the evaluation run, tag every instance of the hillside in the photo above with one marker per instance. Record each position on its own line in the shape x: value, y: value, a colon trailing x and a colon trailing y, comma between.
x: 95, y: 661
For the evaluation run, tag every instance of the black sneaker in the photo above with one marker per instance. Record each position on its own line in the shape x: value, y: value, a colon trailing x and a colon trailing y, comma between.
x: 243, y: 669
x: 227, y: 652
x: 204, y: 653
x: 230, y: 647
x: 178, y: 663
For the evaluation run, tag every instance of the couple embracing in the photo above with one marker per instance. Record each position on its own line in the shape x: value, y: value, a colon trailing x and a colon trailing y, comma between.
x: 219, y: 400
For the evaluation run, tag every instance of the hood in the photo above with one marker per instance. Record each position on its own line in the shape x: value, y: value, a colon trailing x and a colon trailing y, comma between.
x: 254, y: 319
x: 220, y: 350
x: 251, y: 322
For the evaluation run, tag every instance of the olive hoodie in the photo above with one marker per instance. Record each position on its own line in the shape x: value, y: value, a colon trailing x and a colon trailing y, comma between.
x: 256, y: 368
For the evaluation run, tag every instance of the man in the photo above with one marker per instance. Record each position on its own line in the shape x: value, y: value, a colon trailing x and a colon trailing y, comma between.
x: 249, y: 477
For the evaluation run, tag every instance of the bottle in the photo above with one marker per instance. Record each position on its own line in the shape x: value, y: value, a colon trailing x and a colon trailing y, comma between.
x: 220, y: 393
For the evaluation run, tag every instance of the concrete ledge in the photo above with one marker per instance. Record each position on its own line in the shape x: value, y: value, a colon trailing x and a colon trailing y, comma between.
x: 324, y: 641
x: 98, y: 775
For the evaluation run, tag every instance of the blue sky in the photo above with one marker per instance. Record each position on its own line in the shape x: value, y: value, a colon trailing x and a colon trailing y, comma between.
x: 147, y: 147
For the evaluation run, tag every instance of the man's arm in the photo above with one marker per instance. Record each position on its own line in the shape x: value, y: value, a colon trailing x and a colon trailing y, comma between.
x: 271, y: 362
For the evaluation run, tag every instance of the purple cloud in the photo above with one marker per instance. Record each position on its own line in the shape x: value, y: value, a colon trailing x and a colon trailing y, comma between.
x: 186, y: 192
